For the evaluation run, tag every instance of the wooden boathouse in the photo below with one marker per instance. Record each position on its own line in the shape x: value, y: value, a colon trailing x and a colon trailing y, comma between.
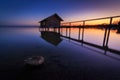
x: 52, y: 21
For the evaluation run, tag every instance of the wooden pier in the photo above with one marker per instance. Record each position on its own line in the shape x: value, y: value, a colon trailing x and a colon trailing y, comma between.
x: 81, y: 33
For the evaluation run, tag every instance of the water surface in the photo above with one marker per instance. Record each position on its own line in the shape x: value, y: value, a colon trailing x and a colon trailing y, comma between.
x: 67, y: 60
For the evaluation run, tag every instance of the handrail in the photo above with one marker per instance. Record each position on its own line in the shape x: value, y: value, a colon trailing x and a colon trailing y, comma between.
x: 91, y: 19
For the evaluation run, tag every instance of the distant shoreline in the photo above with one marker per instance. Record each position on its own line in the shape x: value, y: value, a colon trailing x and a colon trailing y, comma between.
x: 18, y: 26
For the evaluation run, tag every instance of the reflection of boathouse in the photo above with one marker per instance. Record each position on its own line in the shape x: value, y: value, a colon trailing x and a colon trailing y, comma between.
x: 51, y: 37
x: 52, y: 21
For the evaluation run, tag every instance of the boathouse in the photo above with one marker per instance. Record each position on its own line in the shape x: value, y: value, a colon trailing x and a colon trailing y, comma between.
x: 52, y: 21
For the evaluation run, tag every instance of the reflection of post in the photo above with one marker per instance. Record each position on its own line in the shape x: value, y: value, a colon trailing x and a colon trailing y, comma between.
x: 109, y: 32
x: 79, y: 33
x: 69, y: 29
x: 66, y: 32
x: 105, y: 34
x: 83, y: 31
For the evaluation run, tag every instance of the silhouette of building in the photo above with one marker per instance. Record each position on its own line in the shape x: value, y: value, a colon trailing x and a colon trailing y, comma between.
x: 52, y: 21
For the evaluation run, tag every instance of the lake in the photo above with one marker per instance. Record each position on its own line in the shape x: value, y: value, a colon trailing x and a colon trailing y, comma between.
x: 64, y: 59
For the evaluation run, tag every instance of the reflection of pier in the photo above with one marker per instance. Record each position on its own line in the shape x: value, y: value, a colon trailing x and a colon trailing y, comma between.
x: 107, y: 30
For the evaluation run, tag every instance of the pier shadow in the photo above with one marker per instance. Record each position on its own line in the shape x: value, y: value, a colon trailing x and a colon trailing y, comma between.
x: 51, y: 37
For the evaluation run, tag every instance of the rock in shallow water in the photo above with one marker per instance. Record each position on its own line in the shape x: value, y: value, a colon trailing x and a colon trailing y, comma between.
x: 35, y: 61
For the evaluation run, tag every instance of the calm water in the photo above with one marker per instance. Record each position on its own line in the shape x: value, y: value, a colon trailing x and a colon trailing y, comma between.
x: 64, y: 59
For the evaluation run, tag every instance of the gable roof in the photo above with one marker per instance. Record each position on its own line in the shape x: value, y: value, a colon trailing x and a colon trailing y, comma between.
x: 54, y: 15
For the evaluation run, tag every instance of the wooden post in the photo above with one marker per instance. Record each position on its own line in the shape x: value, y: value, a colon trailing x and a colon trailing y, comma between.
x: 61, y: 30
x: 66, y: 31
x: 54, y: 29
x: 79, y: 33
x: 105, y: 34
x: 109, y: 28
x: 69, y: 29
x: 118, y: 30
x: 83, y: 31
x: 48, y: 29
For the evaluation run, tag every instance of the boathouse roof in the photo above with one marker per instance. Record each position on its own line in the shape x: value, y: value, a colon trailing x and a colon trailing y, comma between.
x: 54, y: 15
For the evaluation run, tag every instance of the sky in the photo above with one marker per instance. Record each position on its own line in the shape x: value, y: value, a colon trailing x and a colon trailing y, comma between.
x: 29, y: 12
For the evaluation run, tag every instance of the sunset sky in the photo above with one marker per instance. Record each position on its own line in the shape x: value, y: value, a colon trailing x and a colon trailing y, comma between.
x: 29, y: 12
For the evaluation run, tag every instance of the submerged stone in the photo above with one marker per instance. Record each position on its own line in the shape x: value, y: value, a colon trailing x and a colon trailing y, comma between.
x: 35, y: 61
